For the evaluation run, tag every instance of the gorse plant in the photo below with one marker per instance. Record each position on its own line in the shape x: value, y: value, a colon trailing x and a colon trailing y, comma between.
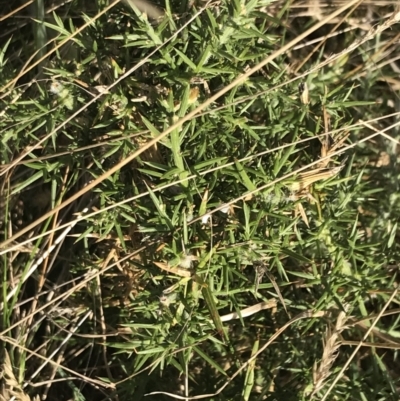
x: 164, y: 236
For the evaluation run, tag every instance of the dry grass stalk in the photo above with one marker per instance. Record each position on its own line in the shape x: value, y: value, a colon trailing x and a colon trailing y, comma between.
x: 11, y: 388
x: 371, y: 34
x: 332, y: 344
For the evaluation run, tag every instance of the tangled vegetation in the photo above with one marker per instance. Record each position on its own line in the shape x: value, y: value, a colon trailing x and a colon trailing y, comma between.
x: 199, y: 200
